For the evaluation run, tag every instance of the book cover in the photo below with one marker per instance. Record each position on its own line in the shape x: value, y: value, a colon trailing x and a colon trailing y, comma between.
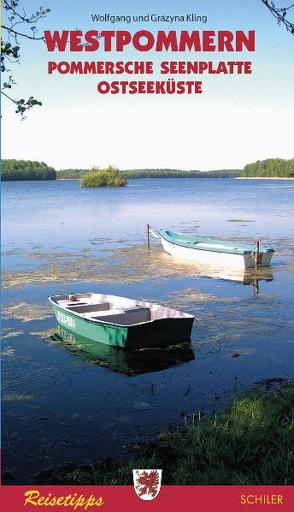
x: 147, y: 255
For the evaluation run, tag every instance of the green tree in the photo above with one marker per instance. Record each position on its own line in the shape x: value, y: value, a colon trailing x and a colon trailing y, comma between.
x: 22, y: 170
x: 271, y: 168
x: 68, y: 174
x: 15, y: 16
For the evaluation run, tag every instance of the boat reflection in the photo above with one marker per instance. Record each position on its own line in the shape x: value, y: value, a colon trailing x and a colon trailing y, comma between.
x: 254, y: 277
x: 245, y: 277
x: 133, y: 362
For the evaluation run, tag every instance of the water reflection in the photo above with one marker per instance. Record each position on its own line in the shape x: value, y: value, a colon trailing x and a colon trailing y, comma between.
x: 130, y: 363
x: 47, y: 421
x: 248, y: 277
x: 251, y: 277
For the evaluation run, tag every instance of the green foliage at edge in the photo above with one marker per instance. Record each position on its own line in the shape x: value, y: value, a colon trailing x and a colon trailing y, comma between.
x: 272, y: 167
x: 19, y: 170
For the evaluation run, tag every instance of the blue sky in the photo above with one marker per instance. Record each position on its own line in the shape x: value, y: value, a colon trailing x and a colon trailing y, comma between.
x: 236, y: 120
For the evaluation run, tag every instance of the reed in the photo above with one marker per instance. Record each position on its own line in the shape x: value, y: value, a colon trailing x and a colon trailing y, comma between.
x: 109, y: 177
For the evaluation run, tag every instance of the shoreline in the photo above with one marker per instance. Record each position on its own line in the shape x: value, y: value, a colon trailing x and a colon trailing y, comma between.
x: 262, y: 178
x: 197, y: 450
x: 175, y: 177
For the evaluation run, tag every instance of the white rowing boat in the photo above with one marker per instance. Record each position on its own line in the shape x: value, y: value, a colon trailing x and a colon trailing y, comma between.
x: 215, y: 252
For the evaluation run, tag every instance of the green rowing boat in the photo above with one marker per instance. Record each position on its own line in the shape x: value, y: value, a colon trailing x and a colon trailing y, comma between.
x: 121, y: 322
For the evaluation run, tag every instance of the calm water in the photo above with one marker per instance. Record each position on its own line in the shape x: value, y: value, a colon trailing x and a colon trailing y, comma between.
x: 64, y: 402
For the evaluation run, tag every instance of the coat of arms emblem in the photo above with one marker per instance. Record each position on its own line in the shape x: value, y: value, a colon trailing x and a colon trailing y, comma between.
x: 147, y: 483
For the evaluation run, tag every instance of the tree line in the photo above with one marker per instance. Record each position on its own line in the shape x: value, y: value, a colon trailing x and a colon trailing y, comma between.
x: 13, y: 170
x: 18, y: 170
x: 155, y: 173
x: 271, y: 168
x: 178, y: 173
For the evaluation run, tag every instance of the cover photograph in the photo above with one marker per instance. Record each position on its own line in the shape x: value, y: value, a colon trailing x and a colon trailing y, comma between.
x: 147, y: 167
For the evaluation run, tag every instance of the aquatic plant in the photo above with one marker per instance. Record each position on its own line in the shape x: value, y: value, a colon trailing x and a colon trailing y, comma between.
x: 109, y: 177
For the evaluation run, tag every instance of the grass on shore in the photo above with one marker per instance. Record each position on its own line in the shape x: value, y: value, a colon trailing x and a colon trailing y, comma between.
x: 110, y: 177
x: 252, y: 443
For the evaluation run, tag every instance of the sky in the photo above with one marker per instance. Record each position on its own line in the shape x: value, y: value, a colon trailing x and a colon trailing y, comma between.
x: 236, y: 120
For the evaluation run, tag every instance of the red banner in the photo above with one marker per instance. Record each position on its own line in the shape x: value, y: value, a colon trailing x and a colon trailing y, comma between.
x: 124, y: 499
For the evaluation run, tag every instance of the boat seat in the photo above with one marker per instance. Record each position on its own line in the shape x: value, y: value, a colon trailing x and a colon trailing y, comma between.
x: 107, y: 312
x: 120, y: 316
x: 89, y: 308
x: 136, y: 308
x: 126, y: 318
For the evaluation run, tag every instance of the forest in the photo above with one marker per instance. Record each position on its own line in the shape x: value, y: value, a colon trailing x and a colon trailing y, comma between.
x: 271, y: 168
x: 15, y: 170
x: 155, y: 173
x: 24, y: 170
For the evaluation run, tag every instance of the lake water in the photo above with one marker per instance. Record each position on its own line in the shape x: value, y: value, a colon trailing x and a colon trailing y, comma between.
x: 63, y: 403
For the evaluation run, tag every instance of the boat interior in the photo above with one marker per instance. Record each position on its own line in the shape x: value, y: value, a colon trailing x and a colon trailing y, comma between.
x: 112, y: 309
